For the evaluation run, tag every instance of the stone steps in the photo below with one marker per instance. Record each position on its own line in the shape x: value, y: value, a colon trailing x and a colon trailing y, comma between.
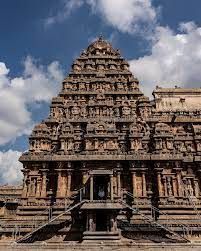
x: 101, y: 235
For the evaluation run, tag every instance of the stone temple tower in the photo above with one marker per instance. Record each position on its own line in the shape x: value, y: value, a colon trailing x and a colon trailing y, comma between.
x: 108, y: 162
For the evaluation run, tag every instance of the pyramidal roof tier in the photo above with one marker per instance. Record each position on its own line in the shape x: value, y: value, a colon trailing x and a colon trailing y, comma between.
x: 101, y: 46
x: 101, y: 62
x: 99, y: 104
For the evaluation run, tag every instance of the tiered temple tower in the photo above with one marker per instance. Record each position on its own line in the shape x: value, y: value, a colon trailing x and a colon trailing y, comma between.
x: 104, y: 139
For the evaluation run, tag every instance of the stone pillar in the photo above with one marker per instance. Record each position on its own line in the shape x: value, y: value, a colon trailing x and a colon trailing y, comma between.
x: 38, y: 187
x: 111, y: 187
x: 28, y: 187
x: 174, y: 186
x: 44, y: 183
x: 91, y: 187
x: 62, y: 144
x: 165, y: 186
x: 169, y: 184
x: 32, y: 187
x: 189, y: 188
x: 179, y: 184
x: 196, y: 188
x: 84, y: 177
x: 160, y: 188
x: 144, y: 186
x: 112, y: 224
x: 115, y: 184
x: 59, y: 183
x: 134, y: 184
x: 25, y: 187
x: 91, y: 222
x: 64, y: 183
x: 118, y: 184
x: 68, y: 192
x: 84, y: 182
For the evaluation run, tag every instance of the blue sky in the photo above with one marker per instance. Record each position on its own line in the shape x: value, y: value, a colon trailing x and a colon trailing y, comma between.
x: 40, y: 39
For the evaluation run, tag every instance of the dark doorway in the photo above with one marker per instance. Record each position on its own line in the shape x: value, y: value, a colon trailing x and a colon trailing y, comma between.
x: 101, y: 187
x: 101, y: 221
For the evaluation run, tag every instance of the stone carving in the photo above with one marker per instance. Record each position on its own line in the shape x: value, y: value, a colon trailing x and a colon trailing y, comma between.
x: 169, y: 187
x: 75, y: 111
x: 126, y: 111
x: 101, y: 128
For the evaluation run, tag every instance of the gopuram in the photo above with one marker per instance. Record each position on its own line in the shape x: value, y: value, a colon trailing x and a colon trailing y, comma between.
x: 108, y: 163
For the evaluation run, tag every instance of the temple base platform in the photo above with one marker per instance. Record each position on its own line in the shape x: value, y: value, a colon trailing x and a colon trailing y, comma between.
x: 101, y: 245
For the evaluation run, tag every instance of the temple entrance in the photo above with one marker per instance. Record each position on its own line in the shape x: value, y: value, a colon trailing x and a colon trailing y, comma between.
x: 101, y: 187
x: 101, y: 221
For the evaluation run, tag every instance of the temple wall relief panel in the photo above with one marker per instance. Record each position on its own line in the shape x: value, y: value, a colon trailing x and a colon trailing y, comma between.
x: 191, y: 182
x: 35, y: 182
x: 136, y: 144
x: 140, y: 185
x: 168, y: 182
x: 39, y: 145
x: 177, y: 183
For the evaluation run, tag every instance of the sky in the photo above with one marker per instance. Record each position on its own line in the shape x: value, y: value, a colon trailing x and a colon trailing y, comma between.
x: 39, y: 40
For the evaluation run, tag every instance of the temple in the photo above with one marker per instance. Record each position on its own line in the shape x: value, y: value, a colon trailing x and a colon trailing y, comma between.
x: 109, y: 163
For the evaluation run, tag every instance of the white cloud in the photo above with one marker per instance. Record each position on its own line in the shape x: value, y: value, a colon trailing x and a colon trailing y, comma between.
x: 125, y: 15
x: 37, y: 83
x: 67, y: 8
x: 3, y: 69
x: 175, y: 59
x: 10, y: 168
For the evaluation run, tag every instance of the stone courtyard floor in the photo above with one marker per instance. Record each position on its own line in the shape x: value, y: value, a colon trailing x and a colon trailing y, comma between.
x: 101, y: 246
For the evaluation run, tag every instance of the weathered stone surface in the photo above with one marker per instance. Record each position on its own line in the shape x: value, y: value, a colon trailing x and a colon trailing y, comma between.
x: 104, y: 141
